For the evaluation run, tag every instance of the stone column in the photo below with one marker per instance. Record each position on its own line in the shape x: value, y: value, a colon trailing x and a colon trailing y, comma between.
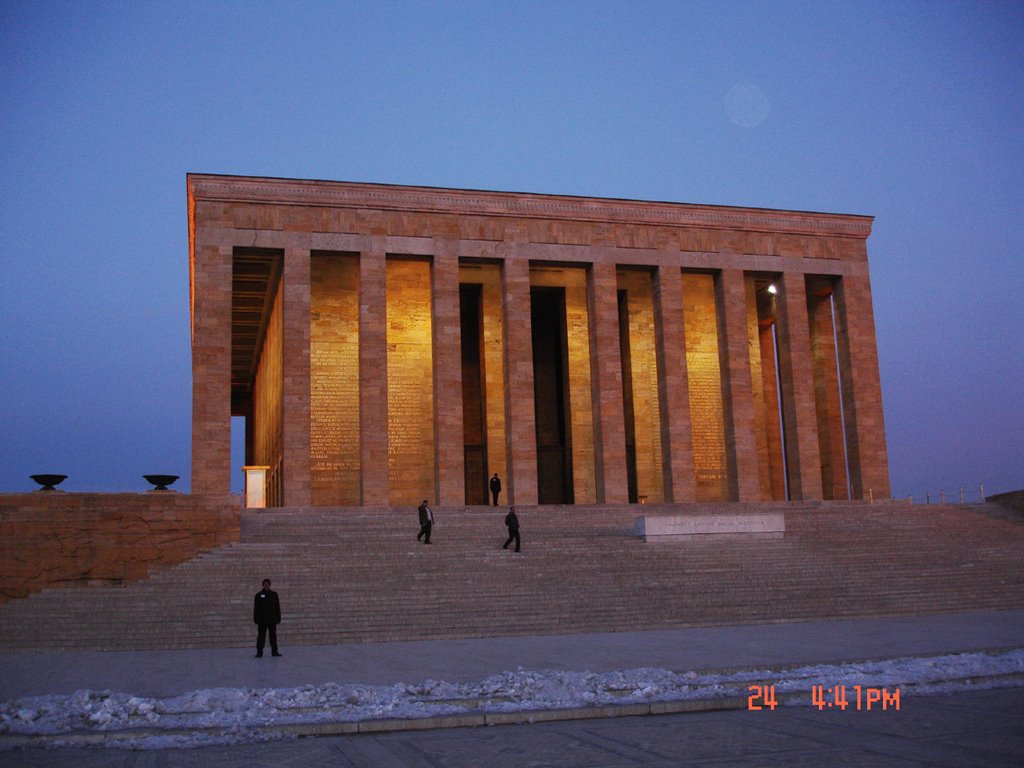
x: 295, y: 419
x: 738, y: 398
x: 449, y: 458
x: 211, y: 367
x: 862, y: 391
x: 373, y: 368
x: 831, y: 438
x: 606, y: 369
x: 796, y: 373
x: 519, y: 414
x: 673, y: 389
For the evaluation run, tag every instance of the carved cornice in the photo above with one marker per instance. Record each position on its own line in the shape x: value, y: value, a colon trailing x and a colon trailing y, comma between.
x: 463, y: 202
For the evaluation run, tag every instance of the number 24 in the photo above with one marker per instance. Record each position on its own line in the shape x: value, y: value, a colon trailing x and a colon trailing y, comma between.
x: 761, y: 697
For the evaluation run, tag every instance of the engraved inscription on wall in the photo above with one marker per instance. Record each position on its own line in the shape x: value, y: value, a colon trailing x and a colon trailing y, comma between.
x: 705, y: 387
x: 334, y: 379
x: 410, y: 382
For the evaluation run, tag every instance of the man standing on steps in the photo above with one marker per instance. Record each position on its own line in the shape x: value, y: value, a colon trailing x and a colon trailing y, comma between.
x: 426, y: 522
x: 512, y: 523
x: 266, y: 614
x: 495, y: 487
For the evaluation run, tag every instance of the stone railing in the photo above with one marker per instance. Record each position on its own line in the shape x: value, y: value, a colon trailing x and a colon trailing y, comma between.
x: 63, y: 539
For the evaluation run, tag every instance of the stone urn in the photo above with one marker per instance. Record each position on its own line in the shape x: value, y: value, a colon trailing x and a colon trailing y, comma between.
x: 49, y: 482
x: 160, y: 481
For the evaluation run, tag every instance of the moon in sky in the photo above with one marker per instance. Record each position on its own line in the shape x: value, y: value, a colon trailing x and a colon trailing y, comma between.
x: 746, y: 105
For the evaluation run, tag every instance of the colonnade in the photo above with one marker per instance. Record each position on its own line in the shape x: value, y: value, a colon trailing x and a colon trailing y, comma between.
x: 390, y: 367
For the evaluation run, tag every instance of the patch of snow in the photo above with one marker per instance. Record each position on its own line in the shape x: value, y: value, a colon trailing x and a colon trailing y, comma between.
x: 242, y: 715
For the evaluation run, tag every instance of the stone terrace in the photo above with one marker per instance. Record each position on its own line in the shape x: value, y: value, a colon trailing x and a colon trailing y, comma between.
x: 356, y: 575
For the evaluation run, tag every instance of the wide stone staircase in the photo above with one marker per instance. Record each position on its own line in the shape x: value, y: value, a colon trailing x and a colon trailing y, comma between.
x: 358, y: 575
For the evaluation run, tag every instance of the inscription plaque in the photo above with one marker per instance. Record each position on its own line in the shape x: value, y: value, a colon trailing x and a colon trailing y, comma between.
x: 667, y: 527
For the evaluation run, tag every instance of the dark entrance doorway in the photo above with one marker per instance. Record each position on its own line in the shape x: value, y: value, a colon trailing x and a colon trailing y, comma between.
x: 627, y: 396
x: 474, y: 419
x: 551, y: 396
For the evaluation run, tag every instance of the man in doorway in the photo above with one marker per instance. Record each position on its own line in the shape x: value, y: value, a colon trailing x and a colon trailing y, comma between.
x: 495, y: 488
x: 266, y: 614
x: 426, y: 522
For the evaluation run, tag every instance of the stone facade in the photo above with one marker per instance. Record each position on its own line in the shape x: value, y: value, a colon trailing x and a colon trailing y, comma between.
x: 387, y: 344
x: 64, y: 539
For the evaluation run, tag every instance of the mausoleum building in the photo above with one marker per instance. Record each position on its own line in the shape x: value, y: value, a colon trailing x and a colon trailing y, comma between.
x: 386, y: 344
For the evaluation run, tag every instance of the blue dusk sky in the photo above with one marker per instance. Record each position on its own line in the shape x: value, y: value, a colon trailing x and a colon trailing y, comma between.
x: 911, y: 112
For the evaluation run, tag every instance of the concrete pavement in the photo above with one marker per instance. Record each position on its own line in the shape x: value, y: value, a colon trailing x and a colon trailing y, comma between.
x: 978, y: 729
x: 170, y: 673
x: 965, y: 729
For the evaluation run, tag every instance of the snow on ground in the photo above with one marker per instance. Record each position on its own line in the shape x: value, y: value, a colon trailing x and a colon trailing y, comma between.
x: 236, y: 715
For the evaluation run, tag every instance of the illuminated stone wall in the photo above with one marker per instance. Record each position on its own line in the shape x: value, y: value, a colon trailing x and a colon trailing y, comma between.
x: 410, y: 382
x: 764, y: 383
x: 644, y: 379
x: 581, y: 414
x: 334, y: 387
x: 670, y: 346
x: 488, y: 276
x: 267, y: 400
x: 704, y: 377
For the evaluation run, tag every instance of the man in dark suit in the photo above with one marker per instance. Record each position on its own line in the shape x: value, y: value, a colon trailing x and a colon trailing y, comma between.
x: 512, y: 523
x: 495, y: 487
x: 426, y: 522
x: 266, y: 614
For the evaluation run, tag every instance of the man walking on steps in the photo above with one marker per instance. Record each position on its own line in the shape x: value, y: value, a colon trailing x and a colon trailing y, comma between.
x: 426, y: 522
x: 512, y: 523
x: 266, y: 614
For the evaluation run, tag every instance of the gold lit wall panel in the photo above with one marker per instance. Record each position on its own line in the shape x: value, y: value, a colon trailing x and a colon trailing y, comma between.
x: 764, y: 387
x: 268, y: 400
x: 334, y: 383
x: 410, y: 382
x: 489, y: 276
x: 704, y: 377
x: 577, y: 324
x: 644, y: 364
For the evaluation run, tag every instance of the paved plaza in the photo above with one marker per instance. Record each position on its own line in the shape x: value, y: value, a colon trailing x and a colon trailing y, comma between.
x: 964, y: 728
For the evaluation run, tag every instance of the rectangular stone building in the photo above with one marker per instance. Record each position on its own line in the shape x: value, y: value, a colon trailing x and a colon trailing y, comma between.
x: 388, y: 343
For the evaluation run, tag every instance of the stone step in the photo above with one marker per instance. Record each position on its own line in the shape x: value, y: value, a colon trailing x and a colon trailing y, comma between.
x: 580, y: 571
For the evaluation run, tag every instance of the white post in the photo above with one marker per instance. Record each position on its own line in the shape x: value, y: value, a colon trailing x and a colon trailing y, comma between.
x: 981, y: 490
x: 255, y: 487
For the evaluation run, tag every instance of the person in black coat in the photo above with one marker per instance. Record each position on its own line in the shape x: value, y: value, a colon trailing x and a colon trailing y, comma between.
x: 426, y: 522
x: 266, y: 614
x: 495, y: 487
x: 512, y: 523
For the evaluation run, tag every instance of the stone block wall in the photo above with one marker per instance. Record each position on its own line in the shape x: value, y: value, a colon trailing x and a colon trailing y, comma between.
x: 703, y: 405
x: 65, y: 539
x: 334, y: 390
